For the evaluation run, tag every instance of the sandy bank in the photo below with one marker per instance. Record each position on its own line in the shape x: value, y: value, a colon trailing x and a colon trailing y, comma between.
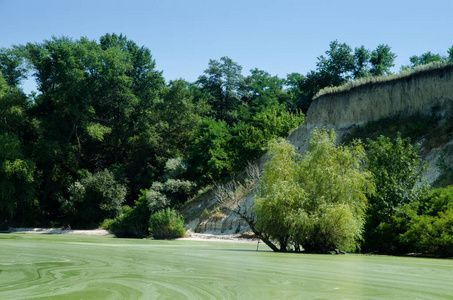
x: 191, y: 236
x: 100, y: 232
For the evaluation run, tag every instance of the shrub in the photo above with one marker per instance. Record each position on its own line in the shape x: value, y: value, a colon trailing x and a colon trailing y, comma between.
x: 428, y: 224
x: 132, y: 222
x: 397, y: 168
x: 167, y: 224
x: 92, y: 199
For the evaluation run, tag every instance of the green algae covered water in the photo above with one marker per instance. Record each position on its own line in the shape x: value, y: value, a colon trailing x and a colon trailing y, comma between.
x: 68, y: 267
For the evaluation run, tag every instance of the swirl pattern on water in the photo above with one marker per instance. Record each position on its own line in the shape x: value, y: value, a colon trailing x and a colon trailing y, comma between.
x: 77, y: 267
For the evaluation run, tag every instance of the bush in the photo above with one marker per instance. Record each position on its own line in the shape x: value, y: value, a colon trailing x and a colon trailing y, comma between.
x: 94, y: 198
x: 132, y: 222
x: 428, y: 224
x: 167, y: 224
x: 397, y: 168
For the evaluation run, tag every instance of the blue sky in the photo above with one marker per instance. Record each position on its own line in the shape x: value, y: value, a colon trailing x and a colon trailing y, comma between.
x: 279, y: 37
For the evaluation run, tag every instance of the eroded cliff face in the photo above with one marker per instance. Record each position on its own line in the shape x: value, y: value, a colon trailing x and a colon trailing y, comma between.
x: 416, y: 94
x: 424, y: 93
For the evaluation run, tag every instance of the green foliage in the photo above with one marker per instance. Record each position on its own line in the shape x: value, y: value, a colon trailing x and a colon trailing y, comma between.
x: 17, y: 178
x: 396, y: 167
x: 103, y: 105
x: 93, y: 199
x: 428, y: 58
x: 95, y: 110
x: 209, y: 156
x: 317, y: 201
x: 222, y: 81
x: 173, y: 188
x: 167, y: 224
x: 97, y: 132
x: 218, y: 150
x: 361, y: 62
x: 179, y: 114
x: 382, y: 60
x: 12, y: 66
x: 337, y: 68
x: 261, y: 91
x: 424, y: 59
x: 132, y: 221
x: 250, y: 140
x: 425, y: 226
x: 172, y: 191
x: 13, y: 111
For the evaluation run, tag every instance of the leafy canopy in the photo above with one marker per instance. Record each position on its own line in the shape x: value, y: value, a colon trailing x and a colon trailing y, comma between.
x: 316, y: 202
x: 396, y: 167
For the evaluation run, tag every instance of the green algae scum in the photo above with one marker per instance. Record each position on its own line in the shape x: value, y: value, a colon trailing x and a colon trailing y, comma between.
x: 67, y: 267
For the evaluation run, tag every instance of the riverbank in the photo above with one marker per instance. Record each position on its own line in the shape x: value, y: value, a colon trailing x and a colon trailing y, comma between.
x: 102, y: 232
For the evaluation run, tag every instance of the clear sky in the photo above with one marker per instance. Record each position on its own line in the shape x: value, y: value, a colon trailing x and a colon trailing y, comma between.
x: 279, y: 37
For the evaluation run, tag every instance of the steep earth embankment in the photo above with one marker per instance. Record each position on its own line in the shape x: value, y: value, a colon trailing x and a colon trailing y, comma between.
x: 422, y: 93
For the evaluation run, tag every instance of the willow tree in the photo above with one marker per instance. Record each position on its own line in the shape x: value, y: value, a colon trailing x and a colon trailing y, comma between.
x: 314, y: 202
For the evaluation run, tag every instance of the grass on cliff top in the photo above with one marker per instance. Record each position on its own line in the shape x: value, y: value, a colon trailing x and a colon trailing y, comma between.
x: 377, y: 79
x: 89, y: 267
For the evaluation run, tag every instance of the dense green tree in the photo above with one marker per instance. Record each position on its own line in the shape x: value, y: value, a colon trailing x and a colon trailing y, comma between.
x: 173, y: 188
x: 335, y: 68
x: 209, y: 157
x: 316, y: 202
x: 261, y: 91
x: 361, y: 62
x: 96, y: 110
x: 293, y: 83
x: 382, y: 60
x: 423, y: 59
x: 63, y: 109
x: 12, y: 65
x: 17, y: 179
x: 303, y: 89
x: 14, y: 107
x: 222, y: 82
x: 396, y: 167
x: 251, y: 139
x: 426, y: 225
x: 338, y: 66
x: 132, y: 222
x: 92, y: 199
x: 178, y: 114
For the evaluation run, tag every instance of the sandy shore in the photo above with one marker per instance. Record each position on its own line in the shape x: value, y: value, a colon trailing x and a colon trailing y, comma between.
x: 191, y: 236
x: 101, y: 232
